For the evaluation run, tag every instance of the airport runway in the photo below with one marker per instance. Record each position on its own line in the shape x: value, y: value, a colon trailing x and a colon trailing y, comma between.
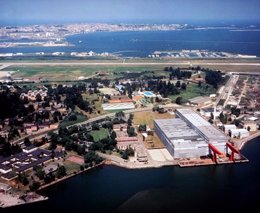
x: 68, y: 63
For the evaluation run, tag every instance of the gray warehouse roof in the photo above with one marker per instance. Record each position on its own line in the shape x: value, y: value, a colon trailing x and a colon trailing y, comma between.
x: 209, y: 132
x: 176, y: 128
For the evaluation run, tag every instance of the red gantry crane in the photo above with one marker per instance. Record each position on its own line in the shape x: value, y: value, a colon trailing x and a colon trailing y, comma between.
x: 233, y: 151
x: 215, y: 152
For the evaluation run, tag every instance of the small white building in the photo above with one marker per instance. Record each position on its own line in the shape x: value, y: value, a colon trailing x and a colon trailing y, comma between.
x: 207, y: 112
x: 239, y: 133
x: 229, y: 127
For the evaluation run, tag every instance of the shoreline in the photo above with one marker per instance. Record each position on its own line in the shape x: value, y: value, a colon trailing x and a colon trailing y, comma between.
x: 68, y: 177
x: 244, y: 141
x: 240, y: 144
x: 15, y: 200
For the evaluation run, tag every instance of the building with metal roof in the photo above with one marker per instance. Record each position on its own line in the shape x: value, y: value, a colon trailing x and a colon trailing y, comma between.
x: 189, y: 135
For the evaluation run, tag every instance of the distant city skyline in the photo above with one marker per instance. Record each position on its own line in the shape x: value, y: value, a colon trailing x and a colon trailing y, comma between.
x: 157, y: 11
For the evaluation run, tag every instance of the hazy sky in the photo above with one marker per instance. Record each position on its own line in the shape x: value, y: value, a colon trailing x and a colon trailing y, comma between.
x: 60, y: 11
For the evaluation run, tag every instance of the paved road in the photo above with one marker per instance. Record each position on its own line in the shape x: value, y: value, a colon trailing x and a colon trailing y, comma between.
x: 228, y: 88
x: 112, y: 115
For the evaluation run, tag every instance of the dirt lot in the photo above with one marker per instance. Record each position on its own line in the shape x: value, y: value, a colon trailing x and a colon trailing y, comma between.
x: 148, y: 117
x: 76, y: 159
x: 152, y: 142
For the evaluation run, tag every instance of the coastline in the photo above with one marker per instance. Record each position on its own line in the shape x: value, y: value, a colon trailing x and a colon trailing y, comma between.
x: 68, y: 176
x: 9, y: 200
x: 241, y: 143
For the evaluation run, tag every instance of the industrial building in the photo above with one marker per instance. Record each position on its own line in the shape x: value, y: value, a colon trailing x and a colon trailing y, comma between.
x: 189, y: 135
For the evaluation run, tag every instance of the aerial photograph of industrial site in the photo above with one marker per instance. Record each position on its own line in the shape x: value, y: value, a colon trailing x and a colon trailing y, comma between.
x: 123, y: 106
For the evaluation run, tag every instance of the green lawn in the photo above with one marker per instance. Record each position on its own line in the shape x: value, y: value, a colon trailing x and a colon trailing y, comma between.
x: 71, y: 167
x: 99, y: 134
x: 193, y: 90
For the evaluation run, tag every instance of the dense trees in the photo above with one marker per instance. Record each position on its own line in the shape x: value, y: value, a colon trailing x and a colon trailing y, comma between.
x: 91, y: 157
x: 61, y: 171
x: 22, y: 177
x: 7, y: 148
x: 128, y: 152
x: 131, y: 131
x: 11, y: 105
x: 163, y: 88
x: 235, y: 111
x: 34, y: 186
x: 213, y: 78
x: 39, y: 172
x: 178, y: 73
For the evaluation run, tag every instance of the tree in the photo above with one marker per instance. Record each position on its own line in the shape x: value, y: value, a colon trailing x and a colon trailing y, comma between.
x: 34, y: 186
x: 210, y: 121
x: 22, y: 177
x: 129, y: 122
x: 178, y: 84
x: 179, y: 100
x: 131, y: 131
x: 125, y: 155
x: 61, y: 172
x: 130, y: 151
x: 39, y: 172
x: 81, y: 168
x: 120, y: 114
x: 142, y: 128
x: 72, y: 117
x: 38, y: 97
x: 222, y: 117
x: 211, y: 116
x: 49, y: 178
x: 52, y: 145
x: 183, y: 86
x: 68, y: 144
x: 113, y: 135
x: 131, y: 116
x: 235, y: 111
x: 236, y: 122
x: 95, y: 126
x: 91, y: 157
x: 27, y: 142
x: 213, y: 77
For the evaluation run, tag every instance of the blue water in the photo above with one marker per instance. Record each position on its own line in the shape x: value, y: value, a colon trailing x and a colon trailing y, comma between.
x: 225, y: 188
x: 141, y: 44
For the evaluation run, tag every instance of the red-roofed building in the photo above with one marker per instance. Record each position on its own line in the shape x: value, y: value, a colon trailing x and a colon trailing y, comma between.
x: 125, y: 142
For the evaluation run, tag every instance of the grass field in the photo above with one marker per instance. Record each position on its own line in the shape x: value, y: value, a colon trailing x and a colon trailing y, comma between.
x: 193, y: 90
x: 99, y: 134
x: 97, y: 104
x: 63, y: 73
x: 71, y: 166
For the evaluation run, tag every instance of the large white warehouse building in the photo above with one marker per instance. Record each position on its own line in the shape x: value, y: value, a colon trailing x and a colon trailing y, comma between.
x: 188, y: 135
